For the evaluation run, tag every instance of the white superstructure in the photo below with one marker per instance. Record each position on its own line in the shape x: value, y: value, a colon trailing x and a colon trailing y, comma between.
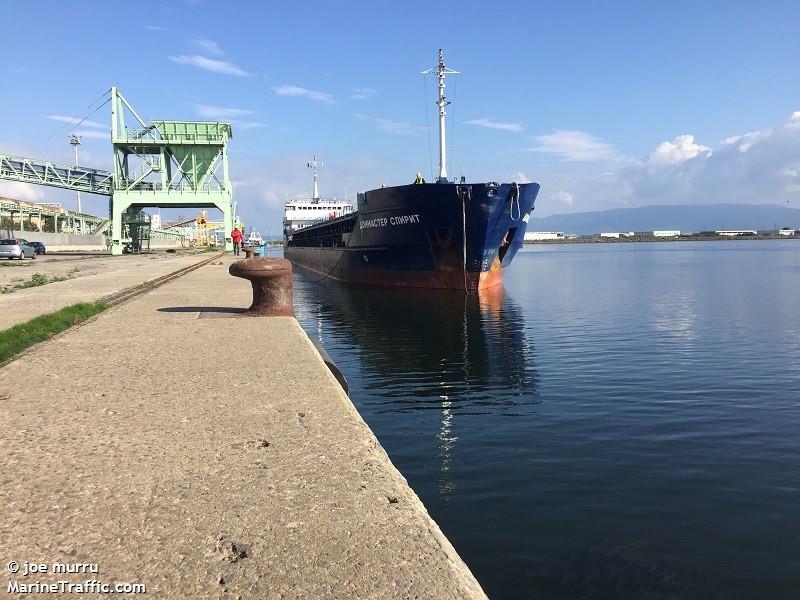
x: 302, y: 212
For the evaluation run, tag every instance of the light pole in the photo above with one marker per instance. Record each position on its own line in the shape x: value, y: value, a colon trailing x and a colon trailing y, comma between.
x: 75, y: 141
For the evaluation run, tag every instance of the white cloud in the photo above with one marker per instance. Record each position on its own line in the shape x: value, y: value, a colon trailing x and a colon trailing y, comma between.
x: 247, y: 124
x: 362, y: 93
x: 97, y: 135
x: 293, y: 90
x: 754, y: 167
x: 521, y: 177
x: 575, y: 146
x: 682, y: 148
x: 227, y: 113
x: 220, y: 112
x: 563, y: 198
x: 492, y: 124
x: 207, y: 46
x: 17, y: 190
x: 75, y: 121
x: 155, y: 28
x: 794, y: 120
x: 790, y: 172
x: 394, y: 127
x: 743, y: 142
x: 209, y: 64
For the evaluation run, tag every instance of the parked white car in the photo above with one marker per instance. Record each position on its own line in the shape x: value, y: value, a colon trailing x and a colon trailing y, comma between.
x: 16, y: 248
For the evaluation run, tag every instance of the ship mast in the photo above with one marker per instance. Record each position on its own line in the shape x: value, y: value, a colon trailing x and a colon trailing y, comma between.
x: 441, y: 70
x: 313, y: 166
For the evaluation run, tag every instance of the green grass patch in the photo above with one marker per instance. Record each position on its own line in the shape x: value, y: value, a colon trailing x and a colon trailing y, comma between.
x: 36, y: 280
x: 17, y: 338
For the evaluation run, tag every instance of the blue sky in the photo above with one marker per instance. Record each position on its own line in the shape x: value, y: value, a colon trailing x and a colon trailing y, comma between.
x: 606, y: 104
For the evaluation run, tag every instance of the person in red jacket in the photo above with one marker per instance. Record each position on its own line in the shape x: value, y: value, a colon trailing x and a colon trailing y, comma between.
x: 236, y: 238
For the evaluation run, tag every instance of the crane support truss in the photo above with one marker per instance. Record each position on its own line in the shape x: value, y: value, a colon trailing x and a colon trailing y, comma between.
x: 69, y: 177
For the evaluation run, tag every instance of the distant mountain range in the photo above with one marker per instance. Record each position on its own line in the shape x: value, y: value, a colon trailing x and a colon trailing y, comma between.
x: 685, y: 218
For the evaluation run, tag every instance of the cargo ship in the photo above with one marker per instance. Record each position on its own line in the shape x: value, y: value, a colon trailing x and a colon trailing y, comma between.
x: 446, y: 234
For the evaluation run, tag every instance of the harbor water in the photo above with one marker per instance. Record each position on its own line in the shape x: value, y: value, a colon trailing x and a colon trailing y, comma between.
x: 619, y: 421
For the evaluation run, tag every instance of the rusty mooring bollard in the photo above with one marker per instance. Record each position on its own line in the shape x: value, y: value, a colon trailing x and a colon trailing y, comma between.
x: 249, y: 252
x: 272, y: 285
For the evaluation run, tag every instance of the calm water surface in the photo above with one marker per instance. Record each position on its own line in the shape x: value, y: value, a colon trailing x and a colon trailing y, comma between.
x: 622, y: 420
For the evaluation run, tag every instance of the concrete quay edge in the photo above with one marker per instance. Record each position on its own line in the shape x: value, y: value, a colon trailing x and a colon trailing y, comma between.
x: 219, y: 458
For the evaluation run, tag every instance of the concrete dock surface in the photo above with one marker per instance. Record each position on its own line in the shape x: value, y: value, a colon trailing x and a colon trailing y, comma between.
x: 176, y: 444
x: 88, y: 280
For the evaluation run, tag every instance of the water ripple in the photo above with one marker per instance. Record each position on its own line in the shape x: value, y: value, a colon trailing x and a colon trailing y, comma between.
x: 621, y: 421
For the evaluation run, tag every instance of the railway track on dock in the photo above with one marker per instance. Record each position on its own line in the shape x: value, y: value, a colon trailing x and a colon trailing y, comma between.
x: 132, y: 292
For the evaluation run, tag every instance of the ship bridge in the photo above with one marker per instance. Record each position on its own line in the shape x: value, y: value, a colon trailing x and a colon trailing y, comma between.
x: 301, y: 212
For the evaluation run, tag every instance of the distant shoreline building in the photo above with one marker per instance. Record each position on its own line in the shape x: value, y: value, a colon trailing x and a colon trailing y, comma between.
x: 536, y: 236
x: 736, y: 232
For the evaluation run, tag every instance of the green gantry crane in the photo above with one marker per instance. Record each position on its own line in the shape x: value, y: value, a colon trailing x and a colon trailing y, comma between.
x: 165, y: 164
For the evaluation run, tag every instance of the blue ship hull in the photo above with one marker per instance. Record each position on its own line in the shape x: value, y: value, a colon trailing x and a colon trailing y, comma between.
x: 439, y: 235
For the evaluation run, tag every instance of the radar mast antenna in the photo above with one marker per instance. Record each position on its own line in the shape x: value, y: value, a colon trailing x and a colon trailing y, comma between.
x: 313, y: 166
x: 441, y: 70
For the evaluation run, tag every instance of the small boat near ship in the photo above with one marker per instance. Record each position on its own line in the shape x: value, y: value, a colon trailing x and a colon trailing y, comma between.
x: 447, y: 234
x: 254, y: 239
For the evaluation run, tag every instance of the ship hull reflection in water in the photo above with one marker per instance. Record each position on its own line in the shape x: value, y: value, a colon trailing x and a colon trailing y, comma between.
x: 434, y: 356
